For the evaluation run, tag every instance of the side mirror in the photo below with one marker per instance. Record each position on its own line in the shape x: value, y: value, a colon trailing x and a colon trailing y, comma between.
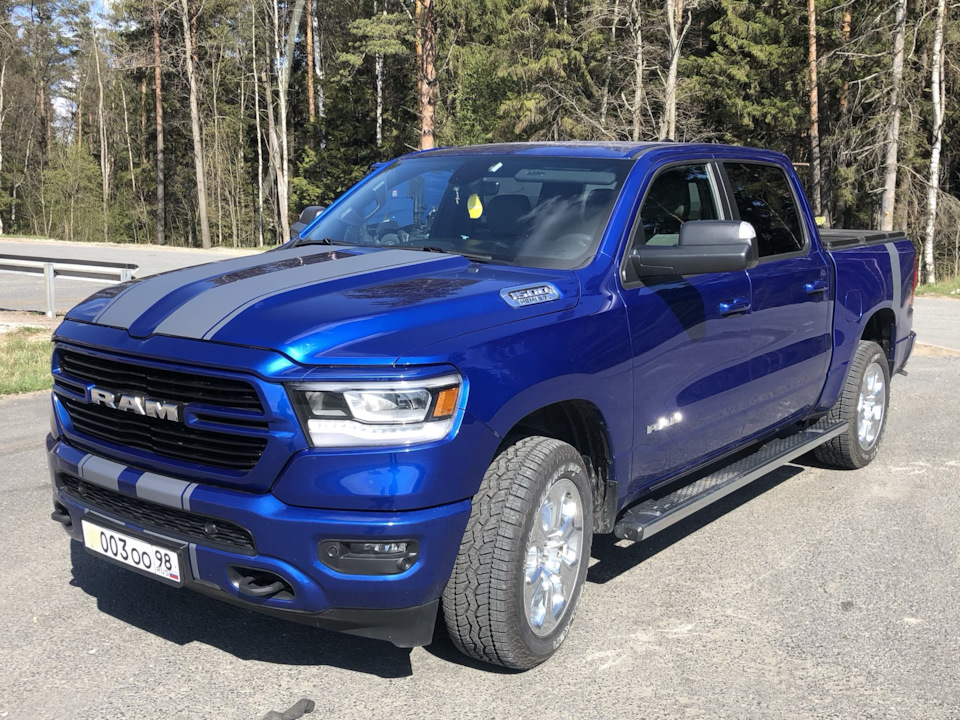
x: 307, y: 216
x: 704, y: 246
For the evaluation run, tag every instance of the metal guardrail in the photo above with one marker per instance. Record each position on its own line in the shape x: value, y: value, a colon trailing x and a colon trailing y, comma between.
x: 50, y: 268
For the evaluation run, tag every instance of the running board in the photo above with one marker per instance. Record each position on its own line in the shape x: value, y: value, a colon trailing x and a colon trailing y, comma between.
x: 651, y: 516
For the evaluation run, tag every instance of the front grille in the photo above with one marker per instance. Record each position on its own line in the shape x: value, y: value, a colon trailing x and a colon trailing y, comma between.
x: 183, y: 524
x: 174, y: 440
x: 169, y: 439
x: 169, y: 385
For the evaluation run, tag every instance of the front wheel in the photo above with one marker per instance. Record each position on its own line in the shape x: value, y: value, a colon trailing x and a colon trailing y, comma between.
x: 863, y: 405
x: 523, y: 561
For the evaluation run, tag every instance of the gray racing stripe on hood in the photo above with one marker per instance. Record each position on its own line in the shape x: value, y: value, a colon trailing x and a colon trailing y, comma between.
x: 140, y: 297
x: 202, y: 316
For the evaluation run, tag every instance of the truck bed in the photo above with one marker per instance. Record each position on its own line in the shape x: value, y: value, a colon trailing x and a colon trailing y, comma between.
x: 838, y: 239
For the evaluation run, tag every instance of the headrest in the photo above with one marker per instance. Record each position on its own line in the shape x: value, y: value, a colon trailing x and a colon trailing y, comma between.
x: 505, y: 212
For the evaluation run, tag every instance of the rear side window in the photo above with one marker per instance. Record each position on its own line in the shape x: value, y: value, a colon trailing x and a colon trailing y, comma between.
x: 764, y: 198
x: 677, y: 195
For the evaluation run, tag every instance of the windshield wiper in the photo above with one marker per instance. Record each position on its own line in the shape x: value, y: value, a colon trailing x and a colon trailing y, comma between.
x: 476, y: 257
x: 324, y: 241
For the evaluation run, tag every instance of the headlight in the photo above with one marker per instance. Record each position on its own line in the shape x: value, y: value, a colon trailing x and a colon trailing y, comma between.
x: 368, y: 414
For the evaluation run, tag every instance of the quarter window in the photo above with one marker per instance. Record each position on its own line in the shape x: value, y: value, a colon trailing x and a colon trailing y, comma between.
x: 765, y: 200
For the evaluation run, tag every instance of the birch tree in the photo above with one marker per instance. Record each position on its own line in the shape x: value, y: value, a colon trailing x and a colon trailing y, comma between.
x: 933, y: 183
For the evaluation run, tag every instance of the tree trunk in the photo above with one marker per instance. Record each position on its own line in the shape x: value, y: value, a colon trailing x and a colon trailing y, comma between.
x: 282, y: 86
x: 104, y: 160
x: 195, y: 128
x: 889, y: 196
x: 80, y: 117
x: 158, y: 91
x: 426, y: 70
x: 378, y: 63
x: 256, y: 95
x: 815, y: 170
x: 933, y: 186
x: 276, y: 161
x: 126, y: 126
x: 845, y: 85
x: 605, y: 96
x: 3, y: 79
x: 637, y: 69
x: 318, y: 71
x: 143, y: 122
x: 675, y: 36
x: 310, y: 64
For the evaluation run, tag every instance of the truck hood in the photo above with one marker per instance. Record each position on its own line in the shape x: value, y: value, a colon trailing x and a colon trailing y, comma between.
x: 318, y: 304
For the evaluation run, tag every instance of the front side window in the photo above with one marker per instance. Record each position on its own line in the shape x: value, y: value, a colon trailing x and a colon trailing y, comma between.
x: 765, y: 200
x: 677, y: 195
x: 545, y: 212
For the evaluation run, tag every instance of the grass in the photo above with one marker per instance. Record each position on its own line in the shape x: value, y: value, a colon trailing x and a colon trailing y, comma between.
x: 947, y: 287
x: 24, y: 360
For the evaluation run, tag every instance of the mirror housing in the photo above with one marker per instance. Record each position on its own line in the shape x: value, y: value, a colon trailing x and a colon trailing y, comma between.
x: 704, y: 246
x: 307, y: 216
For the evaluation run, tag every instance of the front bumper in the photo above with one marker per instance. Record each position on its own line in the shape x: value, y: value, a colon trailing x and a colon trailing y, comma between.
x: 400, y: 607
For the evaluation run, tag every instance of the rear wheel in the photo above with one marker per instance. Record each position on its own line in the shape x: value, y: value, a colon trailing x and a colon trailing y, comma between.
x: 863, y: 405
x: 523, y: 561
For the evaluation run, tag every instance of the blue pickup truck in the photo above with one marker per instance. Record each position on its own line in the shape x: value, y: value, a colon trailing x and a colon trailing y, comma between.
x: 475, y: 360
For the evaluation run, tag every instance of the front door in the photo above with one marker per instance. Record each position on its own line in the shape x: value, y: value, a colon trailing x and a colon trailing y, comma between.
x: 690, y: 336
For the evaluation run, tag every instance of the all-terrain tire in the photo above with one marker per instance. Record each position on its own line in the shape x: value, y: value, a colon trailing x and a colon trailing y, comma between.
x: 846, y: 451
x: 483, y: 603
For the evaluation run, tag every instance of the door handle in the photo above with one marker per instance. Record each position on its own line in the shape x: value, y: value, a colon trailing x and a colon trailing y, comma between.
x: 740, y: 305
x: 817, y: 286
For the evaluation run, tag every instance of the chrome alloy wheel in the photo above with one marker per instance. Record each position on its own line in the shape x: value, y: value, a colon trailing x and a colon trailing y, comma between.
x: 870, y: 406
x: 553, y: 557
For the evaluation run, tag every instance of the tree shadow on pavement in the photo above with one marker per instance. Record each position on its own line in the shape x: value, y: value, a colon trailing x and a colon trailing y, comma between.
x: 613, y: 560
x: 181, y: 616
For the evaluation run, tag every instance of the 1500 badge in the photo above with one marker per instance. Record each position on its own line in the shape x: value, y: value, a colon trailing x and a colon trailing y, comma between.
x: 136, y: 404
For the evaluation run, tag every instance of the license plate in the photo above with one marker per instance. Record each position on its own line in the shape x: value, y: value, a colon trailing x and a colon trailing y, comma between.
x: 134, y: 552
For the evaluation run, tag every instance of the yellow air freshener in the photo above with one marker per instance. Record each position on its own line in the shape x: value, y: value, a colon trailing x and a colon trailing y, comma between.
x: 474, y: 206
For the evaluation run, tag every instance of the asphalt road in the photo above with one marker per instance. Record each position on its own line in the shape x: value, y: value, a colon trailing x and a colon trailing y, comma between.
x: 936, y: 320
x: 23, y: 292
x: 811, y: 593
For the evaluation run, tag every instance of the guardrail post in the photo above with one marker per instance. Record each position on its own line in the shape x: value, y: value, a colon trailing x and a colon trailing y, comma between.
x: 51, y: 298
x: 124, y: 275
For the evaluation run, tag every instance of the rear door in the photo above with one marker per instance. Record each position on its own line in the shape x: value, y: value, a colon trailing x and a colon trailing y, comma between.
x: 790, y: 316
x: 691, y: 355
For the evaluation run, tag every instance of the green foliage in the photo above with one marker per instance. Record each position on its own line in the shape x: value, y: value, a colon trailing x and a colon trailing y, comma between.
x: 506, y: 69
x: 24, y: 360
x: 752, y: 80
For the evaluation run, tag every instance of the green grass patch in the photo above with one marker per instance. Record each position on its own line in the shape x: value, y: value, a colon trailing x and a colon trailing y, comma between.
x: 947, y: 287
x: 24, y: 360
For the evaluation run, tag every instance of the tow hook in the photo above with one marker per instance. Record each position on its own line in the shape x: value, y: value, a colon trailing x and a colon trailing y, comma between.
x: 258, y: 583
x: 61, y: 515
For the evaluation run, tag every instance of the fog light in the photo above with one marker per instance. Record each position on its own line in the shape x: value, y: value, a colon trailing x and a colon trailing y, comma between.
x: 369, y: 558
x: 379, y: 548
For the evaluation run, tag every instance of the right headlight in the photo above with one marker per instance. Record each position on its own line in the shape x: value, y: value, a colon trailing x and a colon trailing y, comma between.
x: 381, y: 413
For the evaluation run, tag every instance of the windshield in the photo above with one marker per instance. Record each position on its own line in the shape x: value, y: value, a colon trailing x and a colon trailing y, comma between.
x: 546, y: 212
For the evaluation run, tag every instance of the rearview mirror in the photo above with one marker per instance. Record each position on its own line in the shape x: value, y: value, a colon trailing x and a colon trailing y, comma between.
x: 704, y: 246
x: 307, y: 216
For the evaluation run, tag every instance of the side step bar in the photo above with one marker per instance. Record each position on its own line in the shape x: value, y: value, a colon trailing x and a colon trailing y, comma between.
x: 651, y: 516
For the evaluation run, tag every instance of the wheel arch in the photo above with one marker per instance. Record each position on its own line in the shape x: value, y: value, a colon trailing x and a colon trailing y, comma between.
x: 881, y: 328
x: 579, y: 423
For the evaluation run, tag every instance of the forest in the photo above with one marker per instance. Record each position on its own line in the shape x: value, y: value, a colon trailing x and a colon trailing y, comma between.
x: 213, y: 122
